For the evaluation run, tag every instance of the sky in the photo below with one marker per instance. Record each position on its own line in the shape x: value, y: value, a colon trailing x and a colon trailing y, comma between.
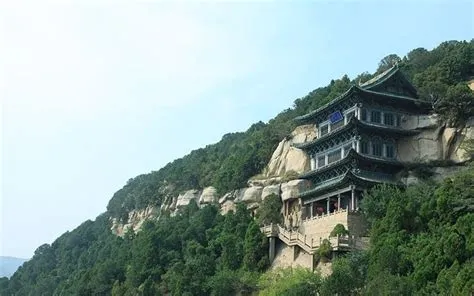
x: 94, y: 93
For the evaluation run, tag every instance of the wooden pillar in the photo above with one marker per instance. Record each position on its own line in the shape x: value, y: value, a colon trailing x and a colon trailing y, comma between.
x: 311, y: 210
x: 327, y: 206
x: 339, y: 202
x: 352, y: 198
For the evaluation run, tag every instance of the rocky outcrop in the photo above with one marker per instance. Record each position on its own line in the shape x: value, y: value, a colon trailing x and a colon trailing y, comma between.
x: 286, y: 158
x: 434, y: 142
x: 271, y: 189
x: 208, y: 196
x: 251, y: 195
x: 293, y: 188
x: 134, y: 221
x: 227, y: 206
x: 185, y: 198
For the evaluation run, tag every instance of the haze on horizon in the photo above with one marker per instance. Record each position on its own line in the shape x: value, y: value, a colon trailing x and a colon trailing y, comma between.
x: 94, y: 94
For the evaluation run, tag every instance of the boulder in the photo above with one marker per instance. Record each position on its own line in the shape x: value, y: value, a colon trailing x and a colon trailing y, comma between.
x: 185, y: 199
x: 208, y: 195
x: 292, y: 188
x: 303, y: 133
x: 286, y: 159
x: 228, y: 206
x: 251, y: 195
x: 269, y: 190
x: 229, y: 196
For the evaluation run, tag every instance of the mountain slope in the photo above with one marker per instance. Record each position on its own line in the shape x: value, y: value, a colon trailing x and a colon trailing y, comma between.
x: 199, y: 252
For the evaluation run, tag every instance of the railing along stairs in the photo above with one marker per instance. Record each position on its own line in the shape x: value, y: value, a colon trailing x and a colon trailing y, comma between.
x: 312, y: 244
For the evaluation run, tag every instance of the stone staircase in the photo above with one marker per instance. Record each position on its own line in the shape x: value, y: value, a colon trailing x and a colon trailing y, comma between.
x: 311, y: 244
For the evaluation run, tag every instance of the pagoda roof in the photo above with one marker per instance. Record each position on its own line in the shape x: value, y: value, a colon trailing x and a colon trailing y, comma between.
x: 369, y: 87
x: 352, y: 177
x: 352, y: 155
x: 356, y: 123
x: 384, y: 76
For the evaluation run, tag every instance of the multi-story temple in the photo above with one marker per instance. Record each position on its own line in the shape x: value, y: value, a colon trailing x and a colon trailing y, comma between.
x: 360, y: 138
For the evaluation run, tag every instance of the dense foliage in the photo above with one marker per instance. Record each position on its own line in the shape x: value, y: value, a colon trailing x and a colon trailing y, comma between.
x: 422, y: 238
x: 198, y: 252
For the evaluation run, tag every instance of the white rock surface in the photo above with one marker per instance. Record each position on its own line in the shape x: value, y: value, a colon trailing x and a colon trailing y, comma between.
x: 303, y: 133
x: 292, y: 188
x: 208, y: 195
x: 286, y: 158
x: 134, y: 221
x: 185, y: 199
x: 251, y: 195
x: 228, y: 206
x: 269, y: 190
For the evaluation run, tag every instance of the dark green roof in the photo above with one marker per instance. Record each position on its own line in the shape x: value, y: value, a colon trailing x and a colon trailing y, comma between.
x: 352, y: 155
x: 380, y: 78
x: 368, y: 88
x: 350, y: 177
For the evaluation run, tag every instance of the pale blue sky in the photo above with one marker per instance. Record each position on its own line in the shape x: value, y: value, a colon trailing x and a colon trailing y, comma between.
x: 94, y: 94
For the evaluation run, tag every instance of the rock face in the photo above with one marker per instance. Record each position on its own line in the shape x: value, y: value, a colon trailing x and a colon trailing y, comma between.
x: 208, y: 195
x: 293, y: 188
x: 434, y: 142
x: 251, y: 195
x: 286, y: 158
x: 269, y: 190
x: 185, y: 199
x: 134, y: 221
x: 227, y: 206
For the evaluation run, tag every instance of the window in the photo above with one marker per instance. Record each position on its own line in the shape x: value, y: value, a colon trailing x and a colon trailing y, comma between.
x: 334, y: 156
x: 324, y: 129
x: 389, y: 151
x: 363, y: 114
x: 399, y: 120
x: 321, y: 161
x: 350, y: 115
x: 347, y: 148
x: 377, y: 148
x: 375, y: 116
x: 388, y: 119
x: 364, y: 147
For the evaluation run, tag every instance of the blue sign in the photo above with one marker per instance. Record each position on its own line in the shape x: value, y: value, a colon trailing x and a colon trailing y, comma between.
x: 336, y: 117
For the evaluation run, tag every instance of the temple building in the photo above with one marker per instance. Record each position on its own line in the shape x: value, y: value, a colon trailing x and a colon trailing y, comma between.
x: 361, y: 136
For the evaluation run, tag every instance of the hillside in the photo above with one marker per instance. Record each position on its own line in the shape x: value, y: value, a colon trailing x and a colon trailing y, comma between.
x: 200, y: 252
x: 8, y: 265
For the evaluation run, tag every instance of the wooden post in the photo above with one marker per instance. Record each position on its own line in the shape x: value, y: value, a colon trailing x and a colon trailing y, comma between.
x: 311, y: 210
x: 353, y: 198
x: 338, y: 202
x: 327, y: 206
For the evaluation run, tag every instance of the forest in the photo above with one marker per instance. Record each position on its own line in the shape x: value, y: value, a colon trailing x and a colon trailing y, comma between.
x: 422, y: 240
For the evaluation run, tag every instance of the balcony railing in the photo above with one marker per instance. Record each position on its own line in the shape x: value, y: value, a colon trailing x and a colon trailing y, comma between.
x: 311, y: 244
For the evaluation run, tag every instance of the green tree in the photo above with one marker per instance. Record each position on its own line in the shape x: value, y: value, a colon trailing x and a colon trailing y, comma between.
x: 270, y: 210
